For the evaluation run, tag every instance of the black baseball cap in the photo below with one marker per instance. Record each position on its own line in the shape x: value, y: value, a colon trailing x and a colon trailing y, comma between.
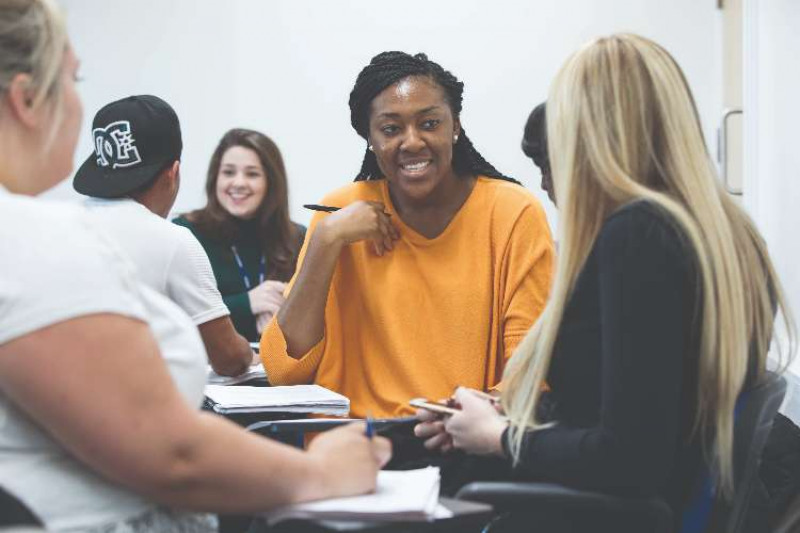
x: 134, y: 140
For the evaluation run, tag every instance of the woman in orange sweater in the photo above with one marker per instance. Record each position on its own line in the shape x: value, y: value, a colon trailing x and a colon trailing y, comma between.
x: 433, y: 269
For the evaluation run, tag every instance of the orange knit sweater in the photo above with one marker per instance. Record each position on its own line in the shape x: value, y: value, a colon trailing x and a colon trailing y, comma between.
x: 433, y: 313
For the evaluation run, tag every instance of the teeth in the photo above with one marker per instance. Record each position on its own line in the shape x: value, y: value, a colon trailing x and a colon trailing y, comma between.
x: 416, y: 166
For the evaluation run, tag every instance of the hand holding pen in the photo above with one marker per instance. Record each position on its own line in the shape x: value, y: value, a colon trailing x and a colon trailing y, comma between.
x: 346, y: 462
x: 359, y: 221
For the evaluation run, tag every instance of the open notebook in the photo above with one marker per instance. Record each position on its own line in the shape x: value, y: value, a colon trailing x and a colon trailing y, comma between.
x: 291, y: 399
x: 409, y: 495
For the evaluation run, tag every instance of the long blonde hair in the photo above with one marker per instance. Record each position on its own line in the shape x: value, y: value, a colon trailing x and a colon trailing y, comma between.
x: 623, y: 126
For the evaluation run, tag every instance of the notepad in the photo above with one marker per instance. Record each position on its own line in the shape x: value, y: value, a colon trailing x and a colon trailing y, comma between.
x: 408, y: 495
x: 255, y: 371
x: 291, y: 399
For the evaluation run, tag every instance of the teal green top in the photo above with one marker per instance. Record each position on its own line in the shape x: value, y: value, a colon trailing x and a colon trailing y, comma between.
x: 229, y: 280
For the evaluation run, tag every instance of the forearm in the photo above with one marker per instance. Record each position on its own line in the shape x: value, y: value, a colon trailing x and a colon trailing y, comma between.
x: 143, y: 434
x: 202, y: 474
x: 228, y: 352
x: 302, y: 316
x: 233, y: 359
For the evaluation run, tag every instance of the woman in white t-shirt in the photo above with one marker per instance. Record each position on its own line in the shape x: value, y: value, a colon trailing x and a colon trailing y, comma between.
x: 94, y: 433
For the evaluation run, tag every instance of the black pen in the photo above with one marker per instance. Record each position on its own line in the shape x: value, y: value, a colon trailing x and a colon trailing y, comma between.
x: 329, y: 208
x: 323, y: 208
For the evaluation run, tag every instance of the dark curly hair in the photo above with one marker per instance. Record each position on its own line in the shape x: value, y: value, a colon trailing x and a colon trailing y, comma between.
x: 386, y: 69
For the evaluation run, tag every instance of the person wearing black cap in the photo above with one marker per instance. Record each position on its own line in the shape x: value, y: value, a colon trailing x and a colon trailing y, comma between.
x: 433, y: 268
x: 133, y: 177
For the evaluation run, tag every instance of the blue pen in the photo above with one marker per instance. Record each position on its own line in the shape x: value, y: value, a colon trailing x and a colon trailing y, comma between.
x: 370, y: 431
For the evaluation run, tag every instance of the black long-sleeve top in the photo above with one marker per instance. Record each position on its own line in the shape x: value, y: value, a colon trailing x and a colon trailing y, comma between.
x: 624, y: 368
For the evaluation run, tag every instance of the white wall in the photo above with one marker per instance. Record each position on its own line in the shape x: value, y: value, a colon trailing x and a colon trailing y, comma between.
x: 286, y: 67
x: 772, y: 157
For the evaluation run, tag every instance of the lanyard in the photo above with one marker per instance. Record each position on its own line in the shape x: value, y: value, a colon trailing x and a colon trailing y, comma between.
x: 262, y: 269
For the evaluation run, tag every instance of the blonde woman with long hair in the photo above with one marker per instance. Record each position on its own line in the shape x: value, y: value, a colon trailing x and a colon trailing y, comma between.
x: 664, y: 301
x: 100, y: 378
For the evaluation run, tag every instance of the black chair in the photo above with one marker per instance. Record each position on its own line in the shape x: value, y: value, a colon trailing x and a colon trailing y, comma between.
x: 579, y: 510
x: 753, y: 424
x: 15, y: 513
x: 790, y: 523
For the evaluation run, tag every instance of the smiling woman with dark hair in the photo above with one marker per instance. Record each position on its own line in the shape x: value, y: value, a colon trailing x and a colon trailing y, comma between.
x: 432, y: 270
x: 245, y: 227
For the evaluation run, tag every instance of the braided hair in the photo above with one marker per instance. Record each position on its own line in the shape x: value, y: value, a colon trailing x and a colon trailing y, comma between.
x: 386, y: 69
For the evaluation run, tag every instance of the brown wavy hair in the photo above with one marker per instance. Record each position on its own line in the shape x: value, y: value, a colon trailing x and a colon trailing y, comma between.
x: 278, y: 235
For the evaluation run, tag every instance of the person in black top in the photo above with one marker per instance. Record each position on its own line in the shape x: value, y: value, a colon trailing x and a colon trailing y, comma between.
x: 663, y: 305
x: 534, y: 145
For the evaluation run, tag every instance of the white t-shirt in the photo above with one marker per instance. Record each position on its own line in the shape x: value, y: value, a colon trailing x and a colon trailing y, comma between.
x: 167, y: 256
x: 56, y: 266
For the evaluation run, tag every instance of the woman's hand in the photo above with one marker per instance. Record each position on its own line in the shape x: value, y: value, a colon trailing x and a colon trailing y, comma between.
x: 267, y: 297
x: 478, y: 427
x: 431, y: 428
x: 262, y: 319
x: 349, y: 459
x: 361, y: 221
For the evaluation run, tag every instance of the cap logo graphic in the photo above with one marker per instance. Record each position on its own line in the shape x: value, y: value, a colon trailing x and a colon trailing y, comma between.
x: 115, y: 146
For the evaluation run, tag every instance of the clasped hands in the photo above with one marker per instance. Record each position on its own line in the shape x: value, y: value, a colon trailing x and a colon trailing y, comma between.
x: 265, y: 300
x: 476, y: 428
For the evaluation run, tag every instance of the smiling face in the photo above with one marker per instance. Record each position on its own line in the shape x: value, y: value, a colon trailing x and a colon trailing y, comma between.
x: 412, y: 131
x: 241, y: 182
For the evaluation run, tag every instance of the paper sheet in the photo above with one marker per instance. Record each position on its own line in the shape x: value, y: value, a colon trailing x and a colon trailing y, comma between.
x: 399, y: 495
x: 253, y: 372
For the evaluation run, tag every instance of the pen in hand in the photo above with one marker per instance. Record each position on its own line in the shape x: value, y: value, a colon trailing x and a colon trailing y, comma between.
x: 328, y: 208
x: 323, y: 208
x: 370, y: 429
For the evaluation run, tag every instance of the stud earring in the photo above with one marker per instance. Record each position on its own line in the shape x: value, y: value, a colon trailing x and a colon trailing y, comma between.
x: 370, y: 148
x: 455, y: 139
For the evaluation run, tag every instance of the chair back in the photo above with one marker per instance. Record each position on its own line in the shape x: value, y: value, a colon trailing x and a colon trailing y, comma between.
x: 15, y: 513
x: 755, y: 411
x: 752, y: 427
